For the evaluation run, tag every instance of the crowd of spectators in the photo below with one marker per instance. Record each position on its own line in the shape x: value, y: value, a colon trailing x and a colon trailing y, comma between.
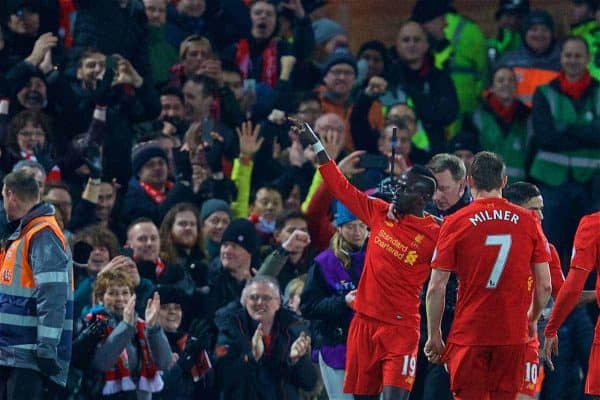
x: 158, y: 131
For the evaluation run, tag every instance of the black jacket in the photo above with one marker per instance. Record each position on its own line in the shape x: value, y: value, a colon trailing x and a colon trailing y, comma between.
x: 272, y: 377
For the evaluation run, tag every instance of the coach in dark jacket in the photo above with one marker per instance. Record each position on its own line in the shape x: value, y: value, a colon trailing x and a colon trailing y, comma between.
x: 262, y: 349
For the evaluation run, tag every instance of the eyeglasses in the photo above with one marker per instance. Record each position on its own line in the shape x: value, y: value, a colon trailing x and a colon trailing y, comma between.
x: 264, y: 297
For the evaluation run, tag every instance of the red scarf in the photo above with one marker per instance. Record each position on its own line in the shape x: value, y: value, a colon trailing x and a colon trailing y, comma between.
x: 118, y: 379
x: 574, y: 89
x: 160, y: 267
x: 505, y: 113
x: 156, y: 195
x: 269, y: 61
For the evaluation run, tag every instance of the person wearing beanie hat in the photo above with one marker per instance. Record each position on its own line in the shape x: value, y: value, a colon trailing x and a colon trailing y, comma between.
x: 537, y: 61
x: 150, y: 193
x: 328, y: 294
x: 215, y: 216
x: 233, y: 267
x: 509, y: 16
x: 375, y: 55
x: 329, y: 34
x: 339, y: 56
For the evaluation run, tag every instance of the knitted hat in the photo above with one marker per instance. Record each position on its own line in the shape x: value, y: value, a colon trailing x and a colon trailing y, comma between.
x: 143, y: 152
x: 342, y: 215
x: 211, y: 206
x: 339, y: 56
x: 241, y: 232
x: 426, y: 10
x: 538, y: 17
x: 464, y: 141
x: 512, y: 6
x: 325, y: 29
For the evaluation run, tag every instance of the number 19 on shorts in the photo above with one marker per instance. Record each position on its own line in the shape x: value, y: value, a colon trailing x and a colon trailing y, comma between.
x: 409, y: 365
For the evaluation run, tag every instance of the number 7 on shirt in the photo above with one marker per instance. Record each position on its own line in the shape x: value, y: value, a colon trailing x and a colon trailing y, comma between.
x: 504, y: 241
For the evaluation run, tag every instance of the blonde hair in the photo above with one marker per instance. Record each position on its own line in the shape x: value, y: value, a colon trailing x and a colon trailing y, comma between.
x: 342, y: 249
x: 191, y: 40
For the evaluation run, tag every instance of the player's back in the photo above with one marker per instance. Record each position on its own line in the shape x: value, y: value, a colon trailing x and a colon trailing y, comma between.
x: 495, y: 244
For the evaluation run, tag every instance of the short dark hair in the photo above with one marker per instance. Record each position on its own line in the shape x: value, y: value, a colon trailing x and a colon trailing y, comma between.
x: 488, y: 171
x: 23, y: 185
x: 209, y: 85
x: 268, y: 187
x: 520, y: 193
x: 87, y: 53
x: 281, y: 220
x: 56, y: 185
x: 172, y: 91
x: 19, y: 121
x: 444, y: 161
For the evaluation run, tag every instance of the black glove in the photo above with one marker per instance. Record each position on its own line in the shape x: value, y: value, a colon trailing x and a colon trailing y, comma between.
x: 85, y: 344
x: 48, y: 366
x: 188, y: 357
x: 201, y: 330
x: 93, y: 159
x: 183, y: 167
x: 43, y: 155
x: 104, y: 95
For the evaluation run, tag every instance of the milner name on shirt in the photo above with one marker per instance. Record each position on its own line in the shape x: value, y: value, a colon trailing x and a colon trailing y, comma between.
x: 493, y: 215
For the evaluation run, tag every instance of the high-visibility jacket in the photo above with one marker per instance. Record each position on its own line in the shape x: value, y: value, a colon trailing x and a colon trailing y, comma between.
x: 36, y: 294
x: 509, y: 142
x: 581, y: 165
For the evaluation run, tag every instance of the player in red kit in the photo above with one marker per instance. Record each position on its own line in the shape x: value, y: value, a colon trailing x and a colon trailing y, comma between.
x: 528, y: 196
x: 586, y: 258
x: 494, y: 247
x: 384, y: 334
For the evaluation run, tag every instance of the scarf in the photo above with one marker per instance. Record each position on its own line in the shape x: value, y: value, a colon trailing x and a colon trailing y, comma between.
x: 269, y: 61
x: 118, y: 379
x: 160, y: 267
x: 574, y: 89
x: 156, y: 195
x: 505, y: 113
x: 202, y: 364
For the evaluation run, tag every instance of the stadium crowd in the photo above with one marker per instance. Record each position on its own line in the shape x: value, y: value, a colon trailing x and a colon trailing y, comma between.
x: 170, y: 229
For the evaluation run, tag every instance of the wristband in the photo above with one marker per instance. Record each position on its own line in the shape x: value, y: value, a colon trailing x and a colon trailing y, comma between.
x: 100, y: 113
x: 4, y: 103
x: 318, y: 147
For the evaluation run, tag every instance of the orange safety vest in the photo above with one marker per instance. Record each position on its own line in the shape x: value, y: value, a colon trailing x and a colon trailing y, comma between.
x: 528, y: 80
x: 15, y: 260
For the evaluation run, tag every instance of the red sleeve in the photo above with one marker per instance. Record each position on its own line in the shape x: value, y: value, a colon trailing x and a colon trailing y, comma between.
x: 585, y: 245
x: 357, y: 202
x: 555, y: 272
x: 541, y: 251
x: 319, y: 219
x: 444, y: 256
x: 567, y: 300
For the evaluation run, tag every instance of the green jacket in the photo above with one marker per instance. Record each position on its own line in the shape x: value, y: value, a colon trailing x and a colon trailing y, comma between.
x: 466, y: 60
x: 567, y: 135
x: 583, y: 28
x: 509, y: 141
x: 162, y: 54
x: 593, y: 40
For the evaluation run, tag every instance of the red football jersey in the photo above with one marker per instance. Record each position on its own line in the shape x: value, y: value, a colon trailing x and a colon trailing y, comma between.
x: 586, y: 246
x: 490, y: 245
x: 398, y: 256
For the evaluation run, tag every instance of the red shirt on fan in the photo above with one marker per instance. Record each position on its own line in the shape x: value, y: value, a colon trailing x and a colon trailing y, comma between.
x: 398, y: 254
x: 586, y: 257
x: 490, y: 245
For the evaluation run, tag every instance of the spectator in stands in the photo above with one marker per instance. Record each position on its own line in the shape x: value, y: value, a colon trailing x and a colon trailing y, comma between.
x: 127, y: 338
x: 262, y: 348
x: 258, y: 55
x: 502, y: 124
x: 509, y: 16
x: 229, y: 272
x: 375, y: 55
x: 582, y: 17
x: 28, y: 131
x: 103, y: 248
x: 189, y: 375
x: 404, y: 149
x: 415, y: 77
x: 57, y: 194
x: 464, y: 146
x: 162, y: 54
x: 266, y: 207
x: 150, y: 194
x: 23, y: 23
x: 193, y: 52
x: 215, y: 217
x: 457, y: 45
x: 537, y: 61
x: 292, y: 254
x: 328, y: 295
x: 565, y: 123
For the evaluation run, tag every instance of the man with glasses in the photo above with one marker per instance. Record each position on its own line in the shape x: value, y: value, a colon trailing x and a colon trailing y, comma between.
x: 262, y: 349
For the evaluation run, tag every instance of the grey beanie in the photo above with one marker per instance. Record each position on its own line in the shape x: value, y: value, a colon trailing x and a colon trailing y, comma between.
x: 325, y: 29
